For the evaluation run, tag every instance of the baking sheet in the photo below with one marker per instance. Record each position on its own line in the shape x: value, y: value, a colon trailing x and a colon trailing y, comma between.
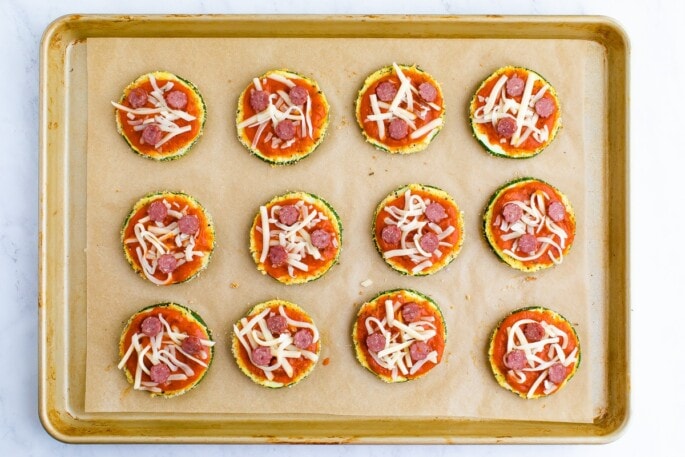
x: 63, y: 301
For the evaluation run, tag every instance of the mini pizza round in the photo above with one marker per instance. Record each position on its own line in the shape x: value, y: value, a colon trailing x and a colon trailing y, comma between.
x: 399, y: 335
x: 534, y: 352
x: 160, y: 115
x: 276, y: 344
x: 296, y: 238
x: 282, y: 117
x: 400, y: 109
x: 515, y: 113
x: 418, y: 229
x: 168, y: 237
x: 165, y: 349
x: 529, y: 224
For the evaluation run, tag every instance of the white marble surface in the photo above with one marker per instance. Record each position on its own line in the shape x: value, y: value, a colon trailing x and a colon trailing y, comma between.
x: 658, y: 373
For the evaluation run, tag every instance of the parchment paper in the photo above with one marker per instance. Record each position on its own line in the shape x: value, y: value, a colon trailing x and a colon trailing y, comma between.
x: 475, y: 291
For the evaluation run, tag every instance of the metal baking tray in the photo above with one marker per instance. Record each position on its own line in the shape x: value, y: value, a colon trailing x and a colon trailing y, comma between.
x: 62, y: 237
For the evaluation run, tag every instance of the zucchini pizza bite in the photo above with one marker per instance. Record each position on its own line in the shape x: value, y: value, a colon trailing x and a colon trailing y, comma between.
x: 160, y: 115
x: 399, y: 335
x: 533, y: 352
x: 165, y: 349
x: 282, y: 117
x: 418, y: 229
x: 400, y: 109
x: 529, y: 224
x: 515, y: 113
x: 276, y: 344
x: 295, y: 238
x: 168, y: 237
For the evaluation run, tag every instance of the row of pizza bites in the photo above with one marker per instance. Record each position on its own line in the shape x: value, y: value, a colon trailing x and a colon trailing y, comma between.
x: 400, y: 335
x: 282, y: 116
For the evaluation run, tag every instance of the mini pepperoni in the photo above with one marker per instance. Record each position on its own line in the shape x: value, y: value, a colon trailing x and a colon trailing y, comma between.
x: 515, y: 86
x: 278, y: 256
x: 298, y: 95
x: 398, y: 129
x: 261, y: 355
x: 533, y: 331
x: 285, y: 130
x: 321, y: 239
x: 151, y: 326
x: 506, y: 127
x: 189, y: 224
x: 277, y: 324
x: 435, y: 212
x: 411, y: 312
x: 191, y: 345
x: 544, y: 107
x: 259, y: 100
x: 428, y: 92
x: 515, y: 360
x: 288, y: 215
x: 512, y: 212
x: 137, y: 98
x: 556, y: 211
x: 157, y: 211
x: 556, y: 373
x: 152, y: 134
x: 386, y: 91
x: 303, y: 338
x: 391, y: 234
x: 375, y: 342
x: 167, y: 263
x: 528, y: 243
x: 419, y: 350
x: 159, y: 373
x: 176, y: 99
x: 429, y: 242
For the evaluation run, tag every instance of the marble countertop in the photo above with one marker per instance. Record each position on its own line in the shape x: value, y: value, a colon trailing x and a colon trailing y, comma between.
x: 657, y: 287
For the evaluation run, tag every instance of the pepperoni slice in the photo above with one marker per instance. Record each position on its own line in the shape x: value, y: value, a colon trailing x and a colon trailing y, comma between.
x: 277, y: 324
x: 259, y: 100
x: 298, y: 95
x: 386, y: 91
x: 288, y: 215
x: 321, y: 239
x: 375, y: 342
x: 176, y: 99
x: 411, y: 312
x: 261, y: 355
x: 419, y: 350
x: 137, y: 98
x: 285, y: 130
x: 151, y: 326
x: 515, y: 86
x: 157, y: 211
x: 512, y: 212
x: 528, y: 243
x: 189, y: 224
x: 428, y: 92
x: 533, y: 331
x: 167, y: 263
x: 398, y: 129
x: 544, y: 107
x: 556, y: 373
x: 556, y: 211
x: 303, y: 338
x: 278, y: 256
x: 506, y: 127
x: 391, y: 234
x: 191, y: 345
x: 159, y: 373
x: 429, y: 242
x: 515, y: 360
x: 152, y: 134
x: 435, y: 212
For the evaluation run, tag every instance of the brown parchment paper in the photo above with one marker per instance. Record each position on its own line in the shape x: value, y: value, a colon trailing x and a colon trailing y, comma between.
x: 475, y: 291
